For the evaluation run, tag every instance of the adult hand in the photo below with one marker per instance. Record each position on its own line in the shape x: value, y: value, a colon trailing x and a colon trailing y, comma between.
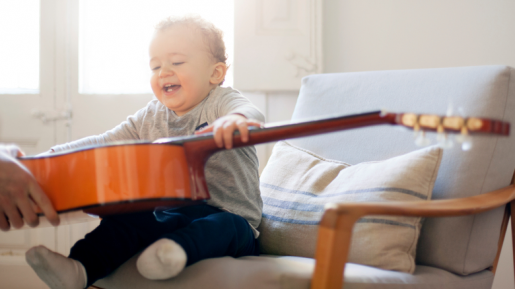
x: 20, y: 194
x: 224, y: 127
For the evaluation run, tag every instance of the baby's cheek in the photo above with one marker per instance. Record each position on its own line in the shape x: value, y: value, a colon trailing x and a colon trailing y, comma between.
x: 154, y: 85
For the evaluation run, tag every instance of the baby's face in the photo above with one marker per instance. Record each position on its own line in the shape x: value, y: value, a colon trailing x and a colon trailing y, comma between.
x: 182, y: 68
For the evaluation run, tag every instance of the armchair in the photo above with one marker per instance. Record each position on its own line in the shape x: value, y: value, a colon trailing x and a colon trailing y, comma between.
x: 460, y: 240
x: 336, y: 226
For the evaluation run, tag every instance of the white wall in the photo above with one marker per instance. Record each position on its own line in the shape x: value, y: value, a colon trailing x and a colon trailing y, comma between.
x: 363, y: 35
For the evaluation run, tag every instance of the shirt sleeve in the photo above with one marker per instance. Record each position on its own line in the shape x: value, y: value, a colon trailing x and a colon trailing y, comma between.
x: 127, y: 130
x: 10, y: 149
x: 236, y: 103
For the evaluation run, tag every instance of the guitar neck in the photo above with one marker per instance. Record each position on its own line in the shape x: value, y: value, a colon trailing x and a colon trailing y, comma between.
x: 313, y: 127
x: 425, y: 122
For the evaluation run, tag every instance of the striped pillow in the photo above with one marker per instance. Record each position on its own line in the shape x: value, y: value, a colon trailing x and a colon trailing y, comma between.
x: 296, y: 184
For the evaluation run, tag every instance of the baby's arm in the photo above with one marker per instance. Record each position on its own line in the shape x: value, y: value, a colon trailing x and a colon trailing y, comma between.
x: 224, y: 127
x: 127, y: 130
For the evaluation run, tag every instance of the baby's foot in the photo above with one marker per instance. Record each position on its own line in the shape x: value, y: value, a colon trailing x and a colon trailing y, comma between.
x: 57, y: 271
x: 162, y: 260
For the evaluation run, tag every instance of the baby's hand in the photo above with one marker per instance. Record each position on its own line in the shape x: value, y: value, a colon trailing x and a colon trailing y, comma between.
x: 224, y: 127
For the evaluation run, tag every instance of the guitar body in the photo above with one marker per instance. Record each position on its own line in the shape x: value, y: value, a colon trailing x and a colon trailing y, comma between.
x: 127, y: 177
x: 116, y: 178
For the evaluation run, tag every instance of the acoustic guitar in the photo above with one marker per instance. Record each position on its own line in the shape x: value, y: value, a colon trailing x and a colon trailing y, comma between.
x: 131, y: 176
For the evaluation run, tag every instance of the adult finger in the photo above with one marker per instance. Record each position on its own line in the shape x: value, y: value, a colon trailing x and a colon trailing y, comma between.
x: 27, y: 212
x: 41, y: 199
x: 12, y: 213
x: 4, y: 224
x: 34, y: 206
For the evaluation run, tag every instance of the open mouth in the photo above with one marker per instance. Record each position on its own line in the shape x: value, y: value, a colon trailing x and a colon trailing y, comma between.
x: 171, y: 87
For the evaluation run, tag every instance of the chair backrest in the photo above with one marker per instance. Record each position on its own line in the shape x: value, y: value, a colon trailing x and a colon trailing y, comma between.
x: 463, y: 245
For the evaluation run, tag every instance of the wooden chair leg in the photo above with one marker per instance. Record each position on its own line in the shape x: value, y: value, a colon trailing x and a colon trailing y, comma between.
x: 504, y: 227
x: 508, y: 211
x: 334, y: 237
x: 512, y: 205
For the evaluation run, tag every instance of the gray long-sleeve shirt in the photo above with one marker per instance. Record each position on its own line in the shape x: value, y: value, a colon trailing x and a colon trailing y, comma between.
x: 232, y: 176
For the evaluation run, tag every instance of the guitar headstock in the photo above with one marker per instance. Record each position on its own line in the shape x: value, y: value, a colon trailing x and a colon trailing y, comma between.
x: 452, y: 124
x: 443, y: 125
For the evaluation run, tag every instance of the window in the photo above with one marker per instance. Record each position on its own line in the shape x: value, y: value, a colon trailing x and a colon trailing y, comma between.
x: 114, y: 36
x: 19, y: 48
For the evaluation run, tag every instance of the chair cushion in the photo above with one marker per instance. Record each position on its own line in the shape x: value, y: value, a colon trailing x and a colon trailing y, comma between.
x: 462, y: 245
x: 296, y: 184
x: 272, y: 272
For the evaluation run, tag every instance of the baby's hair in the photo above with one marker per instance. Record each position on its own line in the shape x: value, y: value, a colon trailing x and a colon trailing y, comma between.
x: 211, y: 34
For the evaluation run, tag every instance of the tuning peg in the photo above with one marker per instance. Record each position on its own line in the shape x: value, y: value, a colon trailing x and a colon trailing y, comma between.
x: 466, y: 145
x: 444, y: 141
x: 421, y: 140
x: 465, y: 139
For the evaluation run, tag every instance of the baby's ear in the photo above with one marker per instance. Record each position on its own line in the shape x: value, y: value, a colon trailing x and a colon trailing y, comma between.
x: 219, y: 71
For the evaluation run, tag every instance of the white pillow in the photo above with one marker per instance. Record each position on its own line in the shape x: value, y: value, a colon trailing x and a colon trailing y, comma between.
x: 297, y: 183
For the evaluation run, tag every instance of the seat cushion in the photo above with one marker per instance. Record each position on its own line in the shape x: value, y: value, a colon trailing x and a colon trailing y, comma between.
x: 296, y: 184
x: 272, y: 272
x: 463, y: 245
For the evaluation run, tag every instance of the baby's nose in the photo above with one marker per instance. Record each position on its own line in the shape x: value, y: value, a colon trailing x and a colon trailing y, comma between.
x: 166, y: 71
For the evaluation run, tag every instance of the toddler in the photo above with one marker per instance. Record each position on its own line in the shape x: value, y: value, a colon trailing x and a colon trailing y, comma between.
x: 187, y: 59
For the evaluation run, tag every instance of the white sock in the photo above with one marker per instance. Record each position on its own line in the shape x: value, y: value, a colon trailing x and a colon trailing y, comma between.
x: 57, y: 271
x: 162, y: 260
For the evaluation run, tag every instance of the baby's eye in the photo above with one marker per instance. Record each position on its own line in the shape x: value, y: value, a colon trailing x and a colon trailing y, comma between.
x: 177, y: 63
x: 156, y: 68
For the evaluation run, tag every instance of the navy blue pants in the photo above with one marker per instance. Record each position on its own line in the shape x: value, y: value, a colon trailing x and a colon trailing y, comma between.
x: 203, y: 232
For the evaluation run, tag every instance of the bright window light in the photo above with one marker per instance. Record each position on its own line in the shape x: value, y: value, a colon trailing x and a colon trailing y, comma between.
x: 114, y: 36
x: 19, y: 47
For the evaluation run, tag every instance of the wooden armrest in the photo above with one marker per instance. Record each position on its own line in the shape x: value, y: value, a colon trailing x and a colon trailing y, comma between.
x: 335, y: 229
x: 437, y: 208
